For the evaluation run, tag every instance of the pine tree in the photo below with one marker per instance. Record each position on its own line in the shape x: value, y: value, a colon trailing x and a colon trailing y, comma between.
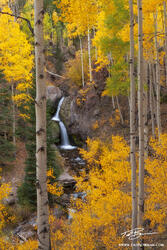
x: 27, y: 191
x: 6, y: 147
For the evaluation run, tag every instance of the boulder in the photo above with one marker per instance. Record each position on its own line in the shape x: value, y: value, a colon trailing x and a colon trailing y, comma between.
x: 53, y: 95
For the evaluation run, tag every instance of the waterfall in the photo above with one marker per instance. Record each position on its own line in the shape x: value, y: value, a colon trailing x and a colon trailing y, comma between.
x: 65, y: 143
x: 56, y: 116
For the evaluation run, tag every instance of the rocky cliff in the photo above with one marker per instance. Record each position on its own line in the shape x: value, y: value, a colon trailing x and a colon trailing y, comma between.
x: 87, y: 113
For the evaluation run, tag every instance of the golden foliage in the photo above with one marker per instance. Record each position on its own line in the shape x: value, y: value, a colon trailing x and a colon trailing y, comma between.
x: 28, y: 245
x: 156, y: 183
x: 102, y: 215
x: 53, y: 188
x: 73, y: 69
x: 16, y: 59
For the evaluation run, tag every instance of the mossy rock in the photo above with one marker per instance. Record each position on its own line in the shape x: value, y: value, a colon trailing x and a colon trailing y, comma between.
x: 55, y: 131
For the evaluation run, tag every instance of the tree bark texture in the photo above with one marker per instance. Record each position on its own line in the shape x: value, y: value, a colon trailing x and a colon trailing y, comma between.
x: 41, y: 153
x: 82, y: 62
x: 89, y: 55
x: 132, y: 122
x: 14, y: 117
x: 141, y: 116
x: 151, y: 101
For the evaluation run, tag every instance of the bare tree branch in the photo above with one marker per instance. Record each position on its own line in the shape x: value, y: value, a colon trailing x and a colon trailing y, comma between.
x: 20, y: 17
x: 53, y: 74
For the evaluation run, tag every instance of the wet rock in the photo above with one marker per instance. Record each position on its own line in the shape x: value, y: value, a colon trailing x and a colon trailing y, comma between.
x: 70, y: 214
x: 26, y: 229
x: 58, y: 212
x: 33, y: 221
x: 80, y: 195
x: 10, y: 201
x: 80, y: 161
x: 65, y: 178
x: 63, y: 201
x: 26, y: 235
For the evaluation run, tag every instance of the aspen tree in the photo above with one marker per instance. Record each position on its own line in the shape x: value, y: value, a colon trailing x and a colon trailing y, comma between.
x: 145, y: 108
x: 16, y: 62
x: 132, y: 121
x: 151, y: 100
x: 119, y: 108
x: 89, y: 55
x: 82, y: 62
x: 41, y: 161
x: 140, y: 111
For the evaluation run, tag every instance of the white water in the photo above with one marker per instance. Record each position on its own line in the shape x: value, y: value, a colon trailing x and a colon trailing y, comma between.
x: 56, y: 116
x: 65, y: 143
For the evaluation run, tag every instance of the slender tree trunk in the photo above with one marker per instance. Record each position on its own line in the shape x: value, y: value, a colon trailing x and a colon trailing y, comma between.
x: 141, y: 120
x: 82, y: 62
x: 41, y: 153
x: 132, y: 122
x: 145, y: 124
x: 151, y: 101
x: 113, y: 103
x: 165, y: 41
x: 154, y: 91
x: 157, y: 80
x: 14, y: 117
x: 119, y: 108
x: 96, y: 54
x: 89, y: 55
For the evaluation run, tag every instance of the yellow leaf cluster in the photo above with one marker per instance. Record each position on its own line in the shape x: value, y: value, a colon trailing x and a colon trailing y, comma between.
x: 53, y: 188
x: 16, y: 58
x: 102, y: 215
x: 156, y: 183
x: 30, y: 244
x: 79, y: 15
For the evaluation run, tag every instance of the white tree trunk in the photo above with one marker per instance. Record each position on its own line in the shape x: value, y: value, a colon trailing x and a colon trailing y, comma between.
x: 14, y: 117
x: 141, y: 120
x: 113, y: 103
x: 119, y: 108
x: 41, y: 152
x: 89, y: 55
x: 82, y: 62
x: 151, y: 101
x: 145, y: 124
x: 132, y: 122
x: 96, y: 54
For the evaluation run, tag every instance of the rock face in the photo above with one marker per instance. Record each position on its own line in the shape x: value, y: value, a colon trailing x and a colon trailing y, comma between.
x: 81, y: 112
x: 53, y: 95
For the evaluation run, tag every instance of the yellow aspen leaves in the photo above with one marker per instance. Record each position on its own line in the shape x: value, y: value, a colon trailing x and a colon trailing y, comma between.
x: 16, y: 58
x: 156, y: 183
x: 104, y: 211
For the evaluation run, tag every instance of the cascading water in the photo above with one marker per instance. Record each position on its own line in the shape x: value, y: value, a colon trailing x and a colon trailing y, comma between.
x: 56, y: 116
x: 65, y: 143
